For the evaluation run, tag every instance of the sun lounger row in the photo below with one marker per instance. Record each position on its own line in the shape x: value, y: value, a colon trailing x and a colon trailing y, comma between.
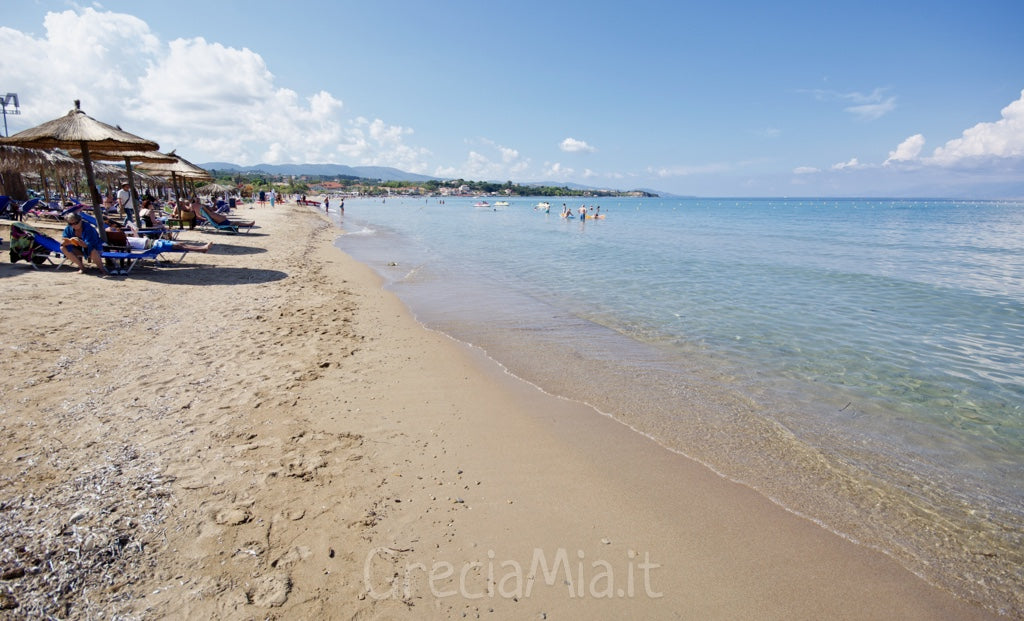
x: 28, y: 244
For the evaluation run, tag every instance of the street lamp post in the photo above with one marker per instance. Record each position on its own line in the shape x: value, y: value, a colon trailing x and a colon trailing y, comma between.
x: 9, y: 99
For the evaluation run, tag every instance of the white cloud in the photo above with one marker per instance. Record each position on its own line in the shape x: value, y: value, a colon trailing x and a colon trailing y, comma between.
x: 76, y: 59
x: 853, y: 163
x: 375, y: 143
x: 872, y: 111
x: 200, y: 98
x: 557, y: 172
x: 508, y: 155
x: 571, y: 145
x: 1001, y: 139
x: 805, y: 170
x: 687, y: 171
x: 982, y: 143
x: 488, y: 160
x: 867, y: 107
x: 908, y: 150
x: 479, y: 166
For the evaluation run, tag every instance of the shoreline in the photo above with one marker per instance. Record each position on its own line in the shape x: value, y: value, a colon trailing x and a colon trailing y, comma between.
x: 306, y: 439
x: 745, y: 421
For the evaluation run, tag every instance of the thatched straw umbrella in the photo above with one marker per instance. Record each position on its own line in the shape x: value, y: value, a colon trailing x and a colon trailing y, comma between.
x: 77, y: 130
x: 154, y: 157
x: 181, y: 168
x: 63, y: 166
x: 17, y: 160
x: 215, y: 188
x: 13, y: 158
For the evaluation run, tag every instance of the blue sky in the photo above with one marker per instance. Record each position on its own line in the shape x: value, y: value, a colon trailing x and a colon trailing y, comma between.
x: 711, y: 99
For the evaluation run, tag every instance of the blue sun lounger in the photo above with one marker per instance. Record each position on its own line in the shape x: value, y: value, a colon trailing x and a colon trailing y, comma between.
x: 126, y: 260
x: 231, y: 227
x: 153, y: 233
x: 50, y: 244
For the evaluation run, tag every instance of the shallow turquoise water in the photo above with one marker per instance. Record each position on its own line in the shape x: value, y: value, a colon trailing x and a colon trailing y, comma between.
x: 859, y: 361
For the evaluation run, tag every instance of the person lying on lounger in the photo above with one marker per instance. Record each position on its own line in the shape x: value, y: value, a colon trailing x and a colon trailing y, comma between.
x: 211, y: 214
x: 138, y: 242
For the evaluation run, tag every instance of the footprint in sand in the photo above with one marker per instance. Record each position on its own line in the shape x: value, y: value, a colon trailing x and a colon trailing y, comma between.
x: 271, y: 590
x: 293, y: 556
x: 304, y: 466
x: 293, y: 513
x: 232, y: 516
x: 316, y: 448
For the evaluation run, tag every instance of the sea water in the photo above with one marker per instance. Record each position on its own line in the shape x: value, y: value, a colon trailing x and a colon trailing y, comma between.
x: 860, y: 362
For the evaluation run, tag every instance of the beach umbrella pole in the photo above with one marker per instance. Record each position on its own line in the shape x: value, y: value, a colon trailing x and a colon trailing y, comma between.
x: 135, y: 193
x: 90, y: 178
x: 46, y: 186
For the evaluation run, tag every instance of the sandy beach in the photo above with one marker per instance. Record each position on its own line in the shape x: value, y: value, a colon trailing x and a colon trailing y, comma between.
x: 264, y: 432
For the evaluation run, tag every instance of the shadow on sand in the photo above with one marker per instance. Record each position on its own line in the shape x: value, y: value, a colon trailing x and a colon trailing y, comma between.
x: 168, y: 274
x: 191, y: 274
x: 229, y: 249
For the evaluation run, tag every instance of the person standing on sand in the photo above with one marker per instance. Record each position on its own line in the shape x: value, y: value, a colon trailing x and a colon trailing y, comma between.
x: 327, y: 203
x: 124, y: 201
x: 273, y: 197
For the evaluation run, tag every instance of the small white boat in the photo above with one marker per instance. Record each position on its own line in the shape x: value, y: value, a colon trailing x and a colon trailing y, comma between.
x: 483, y: 204
x: 501, y: 204
x: 542, y: 206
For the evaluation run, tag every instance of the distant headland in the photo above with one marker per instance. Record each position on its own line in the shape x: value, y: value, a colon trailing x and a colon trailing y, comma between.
x: 374, y: 180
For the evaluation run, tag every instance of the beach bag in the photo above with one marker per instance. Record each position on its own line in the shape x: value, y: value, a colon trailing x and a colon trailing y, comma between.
x: 24, y: 246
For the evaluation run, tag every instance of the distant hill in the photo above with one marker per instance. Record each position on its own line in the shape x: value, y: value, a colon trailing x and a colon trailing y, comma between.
x: 589, y: 188
x: 563, y: 184
x: 383, y: 173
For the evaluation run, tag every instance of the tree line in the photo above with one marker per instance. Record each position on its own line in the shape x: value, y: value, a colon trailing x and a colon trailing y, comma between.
x: 302, y: 185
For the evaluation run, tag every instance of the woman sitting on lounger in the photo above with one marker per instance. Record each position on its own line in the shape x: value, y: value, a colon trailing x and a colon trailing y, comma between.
x: 183, y: 213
